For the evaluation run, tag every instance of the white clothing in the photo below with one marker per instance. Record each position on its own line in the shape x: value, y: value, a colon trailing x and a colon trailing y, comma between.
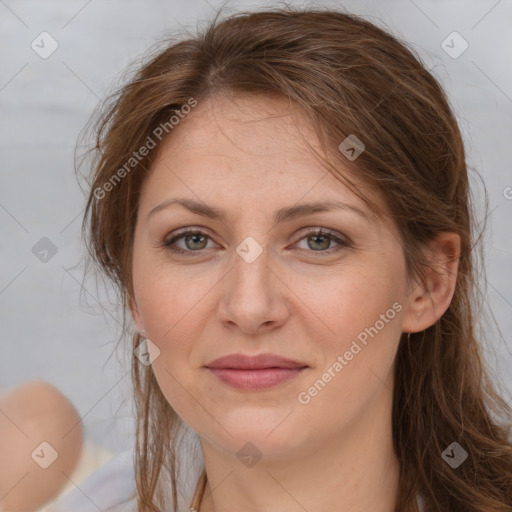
x: 112, y: 487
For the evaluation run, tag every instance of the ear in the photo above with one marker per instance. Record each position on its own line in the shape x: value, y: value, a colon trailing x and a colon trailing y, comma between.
x: 134, y: 310
x: 430, y: 299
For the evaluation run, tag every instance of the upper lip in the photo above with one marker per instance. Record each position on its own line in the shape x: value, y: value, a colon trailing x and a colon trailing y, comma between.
x: 257, y: 362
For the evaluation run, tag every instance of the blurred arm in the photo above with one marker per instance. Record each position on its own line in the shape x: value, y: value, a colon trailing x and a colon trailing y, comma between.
x: 41, y: 440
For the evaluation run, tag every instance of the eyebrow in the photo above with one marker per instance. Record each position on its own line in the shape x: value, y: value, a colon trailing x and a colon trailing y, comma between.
x: 282, y: 215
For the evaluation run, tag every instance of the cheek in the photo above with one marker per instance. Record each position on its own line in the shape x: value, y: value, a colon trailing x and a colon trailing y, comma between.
x: 169, y: 307
x: 167, y: 296
x: 171, y: 303
x: 345, y: 302
x: 357, y: 369
x: 360, y: 324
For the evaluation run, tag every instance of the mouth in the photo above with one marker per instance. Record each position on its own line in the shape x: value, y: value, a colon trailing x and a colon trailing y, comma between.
x: 253, y: 373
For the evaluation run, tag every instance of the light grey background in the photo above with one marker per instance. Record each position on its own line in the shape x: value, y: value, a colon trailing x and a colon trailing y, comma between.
x: 50, y: 331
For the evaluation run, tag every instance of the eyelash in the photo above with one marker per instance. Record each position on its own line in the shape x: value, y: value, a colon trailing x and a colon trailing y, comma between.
x: 318, y: 232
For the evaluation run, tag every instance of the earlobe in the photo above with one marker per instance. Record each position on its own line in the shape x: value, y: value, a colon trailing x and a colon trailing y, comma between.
x: 431, y: 298
x: 134, y: 310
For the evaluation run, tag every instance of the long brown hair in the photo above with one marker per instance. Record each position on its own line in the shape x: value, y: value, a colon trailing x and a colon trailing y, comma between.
x: 349, y: 77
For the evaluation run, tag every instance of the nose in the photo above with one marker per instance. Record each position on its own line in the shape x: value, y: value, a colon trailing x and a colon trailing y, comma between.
x: 254, y: 296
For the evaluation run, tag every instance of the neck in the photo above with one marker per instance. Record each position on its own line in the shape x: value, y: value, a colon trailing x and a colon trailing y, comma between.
x: 356, y: 470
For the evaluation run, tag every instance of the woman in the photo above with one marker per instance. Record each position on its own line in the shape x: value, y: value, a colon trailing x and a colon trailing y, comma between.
x: 283, y: 203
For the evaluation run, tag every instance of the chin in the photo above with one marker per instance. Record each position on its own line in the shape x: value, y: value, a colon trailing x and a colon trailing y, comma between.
x: 274, y: 435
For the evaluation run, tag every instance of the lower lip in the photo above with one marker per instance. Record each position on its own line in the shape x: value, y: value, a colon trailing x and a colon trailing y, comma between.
x: 254, y: 380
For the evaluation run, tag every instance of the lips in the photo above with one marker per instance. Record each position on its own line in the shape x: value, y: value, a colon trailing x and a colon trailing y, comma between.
x: 258, y: 362
x: 254, y: 373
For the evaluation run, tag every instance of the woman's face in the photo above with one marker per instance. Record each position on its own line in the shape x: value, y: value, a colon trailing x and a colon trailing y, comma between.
x: 259, y: 278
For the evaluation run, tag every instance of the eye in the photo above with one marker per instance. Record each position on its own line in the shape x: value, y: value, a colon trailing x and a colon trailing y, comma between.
x: 194, y: 241
x: 321, y: 239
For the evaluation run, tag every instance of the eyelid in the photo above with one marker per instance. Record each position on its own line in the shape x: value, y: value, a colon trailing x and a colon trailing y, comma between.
x: 310, y: 230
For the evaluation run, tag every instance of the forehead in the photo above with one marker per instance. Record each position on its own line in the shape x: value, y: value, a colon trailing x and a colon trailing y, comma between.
x: 242, y: 127
x: 248, y: 148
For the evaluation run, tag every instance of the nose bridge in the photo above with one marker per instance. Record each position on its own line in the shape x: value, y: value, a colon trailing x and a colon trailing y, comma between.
x: 251, y: 297
x: 251, y: 270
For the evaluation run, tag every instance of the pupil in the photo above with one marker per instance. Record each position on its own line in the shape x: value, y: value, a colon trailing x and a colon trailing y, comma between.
x: 195, y: 237
x: 325, y: 238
